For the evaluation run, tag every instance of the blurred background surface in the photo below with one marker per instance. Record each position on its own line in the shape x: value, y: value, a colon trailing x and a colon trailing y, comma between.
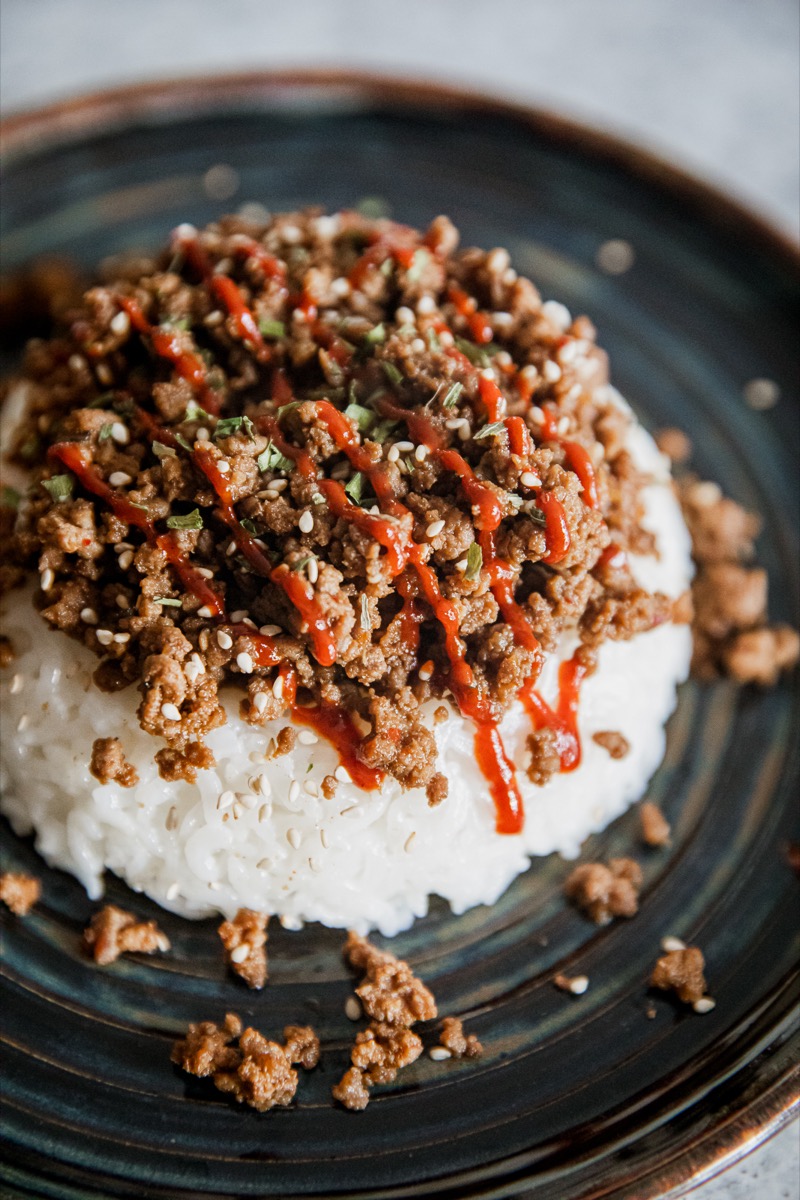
x: 713, y: 85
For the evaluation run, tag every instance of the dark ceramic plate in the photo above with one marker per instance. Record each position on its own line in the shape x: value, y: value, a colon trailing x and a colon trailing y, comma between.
x: 575, y: 1097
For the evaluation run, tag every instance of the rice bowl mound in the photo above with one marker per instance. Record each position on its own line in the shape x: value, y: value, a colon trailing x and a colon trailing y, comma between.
x: 368, y: 550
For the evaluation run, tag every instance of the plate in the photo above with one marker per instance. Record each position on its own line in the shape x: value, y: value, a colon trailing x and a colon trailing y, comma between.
x: 575, y: 1096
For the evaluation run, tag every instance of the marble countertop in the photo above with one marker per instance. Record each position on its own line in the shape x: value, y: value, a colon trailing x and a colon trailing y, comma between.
x: 710, y: 84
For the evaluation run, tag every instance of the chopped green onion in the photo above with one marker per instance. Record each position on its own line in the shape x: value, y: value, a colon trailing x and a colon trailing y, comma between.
x: 191, y: 520
x: 453, y: 393
x: 271, y: 459
x: 391, y: 372
x: 419, y: 263
x: 476, y: 354
x: 165, y: 600
x: 489, y: 430
x: 59, y: 487
x: 272, y: 329
x: 230, y: 425
x: 162, y: 451
x: 303, y: 562
x: 355, y: 487
x: 376, y: 335
x: 181, y: 440
x: 105, y: 432
x: 474, y: 561
x: 366, y: 621
x: 382, y: 431
x: 183, y: 324
x: 9, y: 497
x: 433, y: 339
x: 363, y: 417
x: 249, y: 525
x: 195, y: 413
x: 537, y: 516
x: 290, y: 407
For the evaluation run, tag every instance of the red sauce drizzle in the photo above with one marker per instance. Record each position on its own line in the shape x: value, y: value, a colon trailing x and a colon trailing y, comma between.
x: 226, y: 292
x: 563, y: 720
x: 167, y: 344
x: 578, y: 460
x: 338, y: 727
x: 477, y: 322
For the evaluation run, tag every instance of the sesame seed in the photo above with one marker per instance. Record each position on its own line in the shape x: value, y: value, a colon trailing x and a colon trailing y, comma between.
x: 307, y: 738
x: 170, y: 711
x: 342, y: 774
x: 191, y: 672
x: 405, y: 447
x: 409, y: 842
x: 464, y: 433
x: 279, y: 485
x: 269, y: 630
x: 244, y: 662
x: 578, y: 984
x: 263, y: 864
x: 205, y: 611
x: 119, y: 478
x: 268, y: 494
x: 259, y: 702
x: 563, y: 426
x: 462, y: 564
x: 558, y: 313
x: 393, y: 454
x: 16, y: 685
x: 352, y: 1009
x: 425, y: 672
x: 421, y: 453
x: 455, y: 422
x: 172, y: 819
x: 404, y: 316
x: 312, y: 570
x: 704, y: 1004
x: 23, y: 722
x: 240, y: 953
x: 224, y: 640
x: 104, y: 637
x: 125, y: 559
x: 306, y: 522
x: 670, y: 944
x: 202, y: 434
x: 314, y: 864
x: 120, y: 323
x: 76, y: 363
x: 173, y: 891
x: 88, y: 616
x: 310, y: 788
x: 295, y: 838
x: 47, y: 579
x: 446, y: 338
x: 528, y: 479
x: 213, y: 319
x: 294, y: 791
x: 497, y: 260
x: 122, y: 601
x: 239, y: 615
x: 418, y: 345
x: 122, y: 638
x: 120, y: 434
x: 439, y: 1053
x: 340, y: 287
x: 277, y: 688
x: 198, y: 662
x: 225, y: 800
x: 434, y: 529
x: 247, y: 799
x: 323, y: 837
x: 426, y: 304
x: 265, y: 812
x: 551, y: 371
x: 224, y: 467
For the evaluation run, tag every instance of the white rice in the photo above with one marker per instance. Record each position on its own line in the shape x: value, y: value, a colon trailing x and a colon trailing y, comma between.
x: 243, y: 835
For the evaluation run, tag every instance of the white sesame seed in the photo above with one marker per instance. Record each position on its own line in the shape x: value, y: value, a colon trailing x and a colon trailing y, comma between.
x: 277, y: 688
x: 295, y: 838
x: 551, y: 371
x: 173, y: 891
x: 340, y: 287
x: 497, y: 260
x: 239, y: 615
x: 125, y: 559
x: 103, y: 373
x: 198, y: 662
x: 120, y: 323
x: 352, y: 1009
x: 409, y: 842
x: 434, y: 528
x: 76, y: 363
x: 120, y: 434
x: 342, y: 774
x: 224, y: 640
x: 446, y: 338
x: 119, y: 478
x: 425, y: 673
x: 558, y: 313
x: 170, y: 711
x: 418, y: 346
x: 292, y: 923
x: 294, y: 791
x: 122, y: 601
x: 306, y: 522
x: 279, y: 485
x: 240, y: 953
x: 191, y: 672
x: 47, y: 579
x: 259, y: 702
x: 104, y: 637
x: 310, y: 788
x: 439, y: 1053
x: 205, y: 611
x: 426, y: 304
x: 224, y: 467
x: 202, y: 434
x: 563, y: 426
x: 405, y: 447
x: 244, y: 662
x: 171, y: 822
x: 455, y: 422
x: 314, y: 864
x: 312, y: 570
x: 669, y: 944
x: 323, y: 837
x: 528, y: 479
x: 307, y: 738
x: 265, y: 812
x: 393, y: 454
x: 88, y: 616
x: 327, y: 227
x: 16, y: 685
x: 23, y: 722
x: 578, y: 984
x: 464, y: 432
x: 122, y: 638
x: 704, y: 1004
x: 269, y: 630
x: 462, y: 564
x: 404, y: 316
x: 225, y: 800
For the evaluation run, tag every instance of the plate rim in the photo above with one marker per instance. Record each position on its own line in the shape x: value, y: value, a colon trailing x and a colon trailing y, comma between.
x: 30, y: 130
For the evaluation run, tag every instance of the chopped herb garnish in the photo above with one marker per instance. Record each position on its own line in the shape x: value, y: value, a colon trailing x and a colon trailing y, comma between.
x: 537, y: 516
x: 183, y: 324
x: 373, y: 207
x: 272, y: 329
x: 59, y: 487
x: 165, y: 600
x: 376, y: 335
x: 249, y: 525
x: 303, y: 562
x: 474, y: 561
x: 143, y: 507
x: 230, y: 425
x: 433, y: 339
x: 363, y: 417
x: 271, y: 459
x: 489, y: 430
x: 181, y: 440
x: 452, y: 395
x: 287, y: 408
x: 191, y: 520
x: 162, y: 451
x: 366, y: 621
x: 382, y: 431
x: 514, y: 500
x: 391, y: 372
x: 9, y: 497
x: 322, y: 393
x: 420, y: 261
x: 411, y: 464
x: 195, y: 413
x: 105, y: 432
x: 476, y: 355
x: 355, y: 487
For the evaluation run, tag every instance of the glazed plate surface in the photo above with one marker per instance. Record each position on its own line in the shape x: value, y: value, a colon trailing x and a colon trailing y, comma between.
x: 575, y: 1097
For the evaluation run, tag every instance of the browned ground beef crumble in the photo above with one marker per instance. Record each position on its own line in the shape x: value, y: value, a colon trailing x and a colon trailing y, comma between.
x: 655, y: 826
x: 157, y: 373
x: 113, y: 931
x: 460, y: 1044
x: 681, y: 971
x: 614, y: 742
x: 19, y: 892
x: 256, y: 1072
x: 108, y: 763
x: 245, y: 939
x: 604, y: 892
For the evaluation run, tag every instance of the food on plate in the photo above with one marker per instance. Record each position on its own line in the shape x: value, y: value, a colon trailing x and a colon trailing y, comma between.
x: 680, y: 970
x: 360, y: 558
x: 19, y: 892
x: 604, y: 892
x: 113, y: 931
x: 245, y: 942
x: 654, y: 825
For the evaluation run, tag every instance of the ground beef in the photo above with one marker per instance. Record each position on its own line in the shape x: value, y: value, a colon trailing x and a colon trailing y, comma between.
x: 604, y: 892
x: 681, y: 971
x: 655, y: 826
x: 108, y: 763
x: 460, y: 1044
x: 390, y: 993
x: 245, y: 939
x: 760, y: 655
x: 19, y: 892
x: 311, y: 426
x: 352, y: 1090
x: 256, y: 1072
x: 113, y: 931
x: 615, y: 743
x: 675, y: 444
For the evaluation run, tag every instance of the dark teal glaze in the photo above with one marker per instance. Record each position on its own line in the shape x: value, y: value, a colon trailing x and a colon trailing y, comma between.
x: 573, y: 1094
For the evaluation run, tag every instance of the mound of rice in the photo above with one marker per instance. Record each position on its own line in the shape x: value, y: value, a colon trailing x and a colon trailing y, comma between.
x: 258, y: 832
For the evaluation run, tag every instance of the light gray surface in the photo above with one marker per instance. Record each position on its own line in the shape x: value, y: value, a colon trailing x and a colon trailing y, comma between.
x: 713, y: 84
